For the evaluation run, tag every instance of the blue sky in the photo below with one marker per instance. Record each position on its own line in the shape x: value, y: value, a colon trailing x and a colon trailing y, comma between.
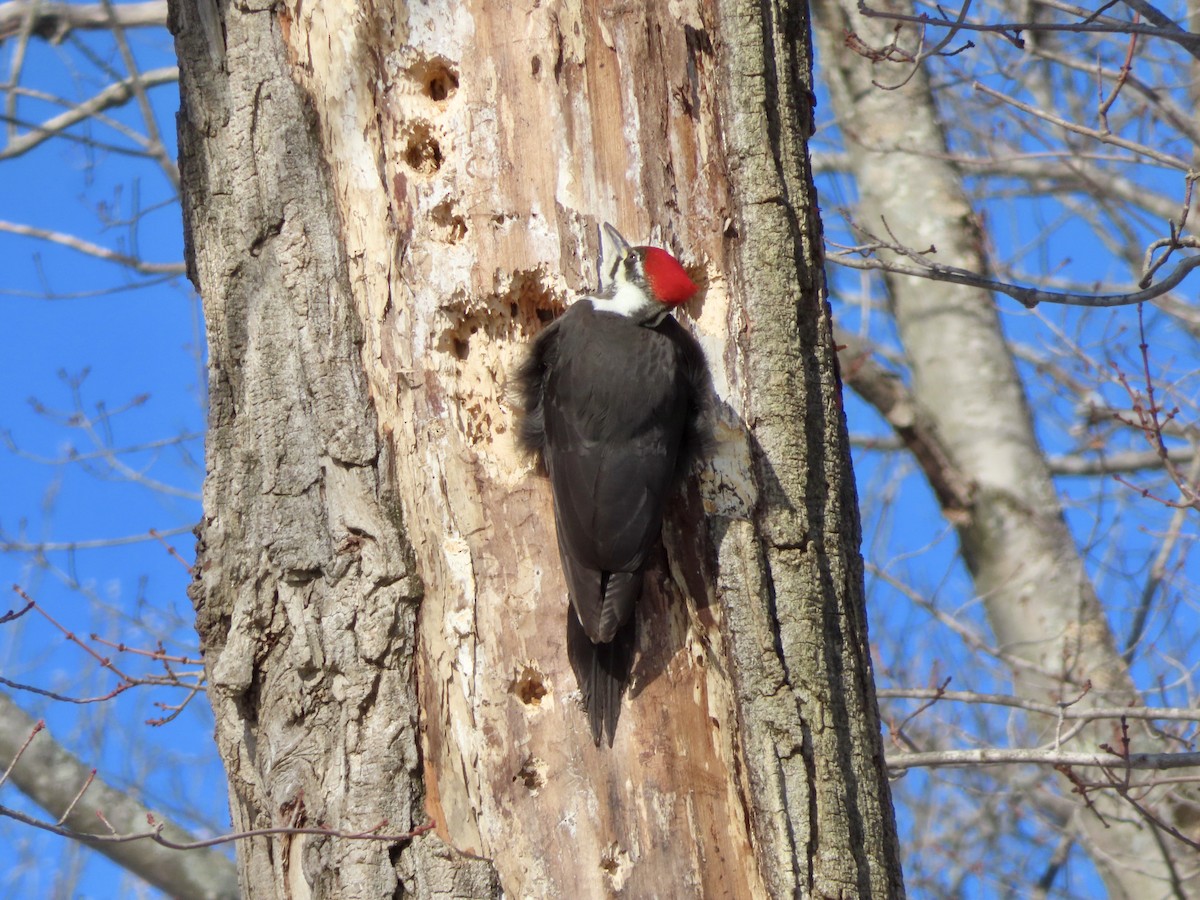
x: 129, y: 362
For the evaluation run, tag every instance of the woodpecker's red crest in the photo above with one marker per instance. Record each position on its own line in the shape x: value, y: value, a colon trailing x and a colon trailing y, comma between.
x: 667, y: 278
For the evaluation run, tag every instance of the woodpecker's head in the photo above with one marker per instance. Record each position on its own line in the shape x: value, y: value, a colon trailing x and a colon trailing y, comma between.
x: 643, y: 283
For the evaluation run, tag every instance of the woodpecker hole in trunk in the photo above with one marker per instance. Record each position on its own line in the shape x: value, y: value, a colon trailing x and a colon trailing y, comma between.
x: 453, y: 227
x: 437, y: 77
x: 422, y: 153
x: 529, y: 686
x: 532, y: 773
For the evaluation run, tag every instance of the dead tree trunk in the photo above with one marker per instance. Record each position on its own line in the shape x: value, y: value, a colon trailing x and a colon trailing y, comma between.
x: 385, y: 204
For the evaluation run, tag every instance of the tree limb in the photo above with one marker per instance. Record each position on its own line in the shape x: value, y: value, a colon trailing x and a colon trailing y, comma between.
x: 1005, y: 757
x: 1028, y: 297
x: 52, y: 776
x: 53, y: 21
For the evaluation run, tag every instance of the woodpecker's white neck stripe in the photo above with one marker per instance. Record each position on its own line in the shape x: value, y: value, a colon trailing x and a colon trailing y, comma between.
x: 627, y: 300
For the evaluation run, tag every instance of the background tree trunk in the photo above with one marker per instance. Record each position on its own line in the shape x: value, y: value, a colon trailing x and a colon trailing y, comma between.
x: 1040, y: 603
x: 384, y: 205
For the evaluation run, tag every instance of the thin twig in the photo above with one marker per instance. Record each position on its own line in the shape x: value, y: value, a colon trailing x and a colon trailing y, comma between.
x: 1165, y: 159
x: 70, y: 806
x: 41, y: 724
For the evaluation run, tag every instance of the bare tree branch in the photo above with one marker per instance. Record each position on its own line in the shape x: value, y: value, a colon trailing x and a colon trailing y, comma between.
x: 114, y: 95
x: 935, y: 759
x: 53, y: 21
x: 1012, y: 30
x: 52, y: 776
x: 87, y: 247
x: 1055, y: 710
x: 1142, y: 150
x: 885, y: 391
x: 1028, y: 297
x: 8, y: 545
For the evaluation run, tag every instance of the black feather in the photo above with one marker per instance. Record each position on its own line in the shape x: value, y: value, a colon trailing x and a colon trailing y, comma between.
x: 616, y: 412
x: 602, y: 671
x: 530, y: 380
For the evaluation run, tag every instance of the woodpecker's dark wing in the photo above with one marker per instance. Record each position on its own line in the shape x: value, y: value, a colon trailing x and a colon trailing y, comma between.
x: 531, y: 386
x: 609, y: 404
x: 615, y: 406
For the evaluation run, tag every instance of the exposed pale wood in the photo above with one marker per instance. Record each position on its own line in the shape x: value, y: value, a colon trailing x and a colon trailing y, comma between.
x: 501, y: 136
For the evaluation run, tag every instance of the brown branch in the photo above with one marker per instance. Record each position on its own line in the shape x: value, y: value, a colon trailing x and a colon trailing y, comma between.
x: 189, y: 681
x: 885, y: 391
x: 171, y: 551
x: 1122, y: 77
x: 54, y: 21
x: 158, y: 654
x: 63, y: 698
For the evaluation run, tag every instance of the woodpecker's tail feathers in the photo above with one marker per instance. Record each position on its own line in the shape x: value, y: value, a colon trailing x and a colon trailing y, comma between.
x: 620, y: 591
x: 602, y: 671
x: 602, y: 600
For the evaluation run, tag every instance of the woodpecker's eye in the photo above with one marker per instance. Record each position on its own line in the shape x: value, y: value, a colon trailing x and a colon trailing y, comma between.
x: 633, y: 269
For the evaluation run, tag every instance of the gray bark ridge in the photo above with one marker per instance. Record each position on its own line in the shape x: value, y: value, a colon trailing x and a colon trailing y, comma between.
x: 305, y: 588
x: 794, y: 583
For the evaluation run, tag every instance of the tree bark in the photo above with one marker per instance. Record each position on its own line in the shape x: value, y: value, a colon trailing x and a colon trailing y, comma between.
x: 306, y: 593
x: 1040, y: 603
x: 385, y: 204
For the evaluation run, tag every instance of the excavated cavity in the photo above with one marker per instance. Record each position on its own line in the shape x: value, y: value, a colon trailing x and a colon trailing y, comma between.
x: 516, y: 312
x: 532, y: 773
x: 452, y: 226
x: 436, y: 77
x: 422, y: 152
x: 508, y: 319
x: 533, y: 302
x: 616, y: 865
x: 529, y: 686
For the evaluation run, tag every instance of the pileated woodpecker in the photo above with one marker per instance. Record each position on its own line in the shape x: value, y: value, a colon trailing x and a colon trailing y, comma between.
x: 611, y: 400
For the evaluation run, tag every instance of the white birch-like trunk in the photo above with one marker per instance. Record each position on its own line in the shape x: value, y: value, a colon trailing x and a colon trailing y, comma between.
x: 1040, y: 603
